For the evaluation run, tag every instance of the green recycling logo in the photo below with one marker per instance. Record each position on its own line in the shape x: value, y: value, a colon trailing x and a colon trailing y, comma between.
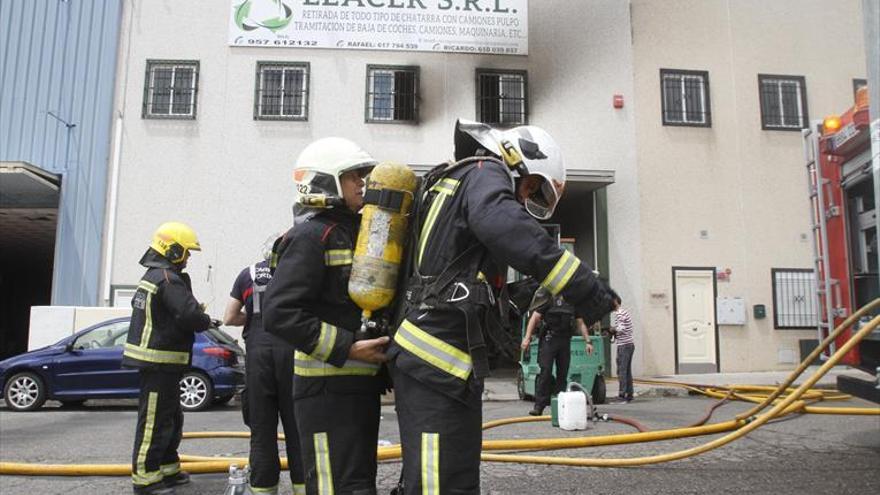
x: 270, y: 14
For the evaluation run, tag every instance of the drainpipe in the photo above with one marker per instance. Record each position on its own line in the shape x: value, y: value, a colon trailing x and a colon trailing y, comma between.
x: 111, y: 208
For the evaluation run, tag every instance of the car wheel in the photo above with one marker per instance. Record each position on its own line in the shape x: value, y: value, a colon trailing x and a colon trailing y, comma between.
x: 598, y: 392
x: 25, y: 392
x: 196, y: 391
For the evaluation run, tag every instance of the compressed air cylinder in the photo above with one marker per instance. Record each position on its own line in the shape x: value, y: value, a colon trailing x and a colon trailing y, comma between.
x: 382, y: 237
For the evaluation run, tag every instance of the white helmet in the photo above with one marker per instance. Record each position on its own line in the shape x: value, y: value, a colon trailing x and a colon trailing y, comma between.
x: 320, y: 164
x: 318, y: 168
x: 528, y: 149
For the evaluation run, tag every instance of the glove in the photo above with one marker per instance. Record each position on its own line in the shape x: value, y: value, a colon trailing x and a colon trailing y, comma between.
x: 598, y: 304
x: 215, y: 323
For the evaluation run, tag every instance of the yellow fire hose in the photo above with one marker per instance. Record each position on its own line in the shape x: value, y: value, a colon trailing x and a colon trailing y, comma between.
x: 785, y: 401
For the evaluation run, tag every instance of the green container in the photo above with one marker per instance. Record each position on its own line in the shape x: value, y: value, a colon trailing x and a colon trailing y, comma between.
x: 587, y: 370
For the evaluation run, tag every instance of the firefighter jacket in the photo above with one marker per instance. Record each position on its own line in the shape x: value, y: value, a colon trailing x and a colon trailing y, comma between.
x: 473, y: 208
x: 164, y: 318
x: 307, y: 305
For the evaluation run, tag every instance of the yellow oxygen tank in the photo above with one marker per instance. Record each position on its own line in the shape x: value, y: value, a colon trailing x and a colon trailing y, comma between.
x: 382, y: 237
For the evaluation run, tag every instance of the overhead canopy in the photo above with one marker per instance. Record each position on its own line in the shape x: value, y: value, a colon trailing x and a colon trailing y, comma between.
x: 28, y: 211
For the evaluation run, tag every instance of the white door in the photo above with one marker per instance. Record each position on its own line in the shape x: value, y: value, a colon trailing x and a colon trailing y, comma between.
x: 695, y: 320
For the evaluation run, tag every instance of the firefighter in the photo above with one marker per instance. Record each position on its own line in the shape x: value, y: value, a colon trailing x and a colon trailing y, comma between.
x: 165, y: 317
x: 473, y: 216
x: 337, y: 380
x: 556, y: 319
x: 269, y: 379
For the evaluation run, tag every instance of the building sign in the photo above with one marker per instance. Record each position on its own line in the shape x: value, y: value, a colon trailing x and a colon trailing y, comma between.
x: 460, y: 26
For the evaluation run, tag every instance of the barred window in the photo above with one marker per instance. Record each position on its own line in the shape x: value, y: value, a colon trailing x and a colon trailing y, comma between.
x: 502, y: 97
x: 170, y: 89
x: 685, y: 98
x: 392, y: 94
x: 794, y: 298
x: 783, y: 102
x: 281, y: 91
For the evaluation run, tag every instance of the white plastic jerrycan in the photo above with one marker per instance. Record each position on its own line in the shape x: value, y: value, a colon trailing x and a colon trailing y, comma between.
x: 575, y: 408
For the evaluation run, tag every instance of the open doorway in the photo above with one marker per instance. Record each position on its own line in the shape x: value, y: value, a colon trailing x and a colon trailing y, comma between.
x: 28, y: 223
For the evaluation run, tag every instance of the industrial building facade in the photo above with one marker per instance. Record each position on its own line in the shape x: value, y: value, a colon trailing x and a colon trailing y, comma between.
x: 679, y: 122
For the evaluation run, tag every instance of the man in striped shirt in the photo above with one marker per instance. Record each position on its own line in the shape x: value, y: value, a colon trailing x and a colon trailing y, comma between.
x: 622, y: 330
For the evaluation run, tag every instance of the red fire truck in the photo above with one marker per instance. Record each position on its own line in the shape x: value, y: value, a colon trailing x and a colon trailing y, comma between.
x: 843, y: 213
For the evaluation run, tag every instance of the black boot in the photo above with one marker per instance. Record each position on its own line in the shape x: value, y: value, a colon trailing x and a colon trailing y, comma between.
x: 180, y: 478
x: 536, y: 411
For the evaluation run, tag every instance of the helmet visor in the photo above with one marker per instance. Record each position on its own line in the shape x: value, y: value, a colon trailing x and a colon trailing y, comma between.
x: 542, y: 202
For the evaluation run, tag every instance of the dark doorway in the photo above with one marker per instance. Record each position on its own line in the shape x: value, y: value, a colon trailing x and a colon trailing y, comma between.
x: 28, y: 222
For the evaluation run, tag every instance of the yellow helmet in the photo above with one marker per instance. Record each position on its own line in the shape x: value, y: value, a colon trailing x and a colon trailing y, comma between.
x: 173, y: 240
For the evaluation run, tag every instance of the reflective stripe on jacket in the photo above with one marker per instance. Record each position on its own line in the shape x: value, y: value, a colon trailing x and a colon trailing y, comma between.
x: 164, y: 319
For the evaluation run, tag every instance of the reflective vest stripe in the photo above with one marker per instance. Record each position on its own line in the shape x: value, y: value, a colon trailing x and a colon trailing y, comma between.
x: 322, y: 464
x: 170, y: 469
x: 561, y: 273
x: 141, y: 476
x: 433, y: 350
x: 155, y: 355
x: 444, y: 189
x: 430, y: 464
x: 150, y: 289
x: 305, y: 365
x: 299, y: 489
x: 326, y: 341
x: 270, y: 489
x: 338, y: 257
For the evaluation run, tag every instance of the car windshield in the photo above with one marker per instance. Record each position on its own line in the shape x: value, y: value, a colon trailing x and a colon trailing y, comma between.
x: 110, y: 335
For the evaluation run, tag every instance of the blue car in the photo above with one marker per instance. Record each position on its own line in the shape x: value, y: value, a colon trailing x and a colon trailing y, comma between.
x: 87, y: 365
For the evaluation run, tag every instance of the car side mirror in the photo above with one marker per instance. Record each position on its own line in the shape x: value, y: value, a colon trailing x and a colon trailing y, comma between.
x: 69, y: 346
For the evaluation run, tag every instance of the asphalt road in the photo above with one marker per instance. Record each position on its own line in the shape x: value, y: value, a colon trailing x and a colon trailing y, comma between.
x: 799, y: 455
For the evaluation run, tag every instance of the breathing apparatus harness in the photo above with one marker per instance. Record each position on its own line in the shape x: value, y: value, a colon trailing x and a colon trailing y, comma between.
x: 458, y: 286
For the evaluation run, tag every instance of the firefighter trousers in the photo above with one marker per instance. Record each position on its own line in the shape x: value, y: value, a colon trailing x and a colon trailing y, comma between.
x: 441, y: 439
x: 551, y: 350
x: 159, y: 427
x: 338, y: 434
x: 269, y: 382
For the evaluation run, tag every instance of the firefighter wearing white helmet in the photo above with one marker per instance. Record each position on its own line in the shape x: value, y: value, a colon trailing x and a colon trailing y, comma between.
x: 165, y: 316
x: 472, y: 218
x: 337, y: 380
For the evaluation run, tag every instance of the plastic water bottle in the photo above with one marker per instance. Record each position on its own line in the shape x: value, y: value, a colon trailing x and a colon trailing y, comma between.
x: 238, y: 481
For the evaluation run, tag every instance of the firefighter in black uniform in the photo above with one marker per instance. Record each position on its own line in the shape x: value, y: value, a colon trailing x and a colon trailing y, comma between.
x: 269, y: 379
x: 164, y: 319
x: 473, y: 216
x: 337, y: 380
x: 556, y: 319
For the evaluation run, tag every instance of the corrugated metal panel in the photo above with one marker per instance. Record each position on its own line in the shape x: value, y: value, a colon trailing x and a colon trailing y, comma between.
x: 57, y: 71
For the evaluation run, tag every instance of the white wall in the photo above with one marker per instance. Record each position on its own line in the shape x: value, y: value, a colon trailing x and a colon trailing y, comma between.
x: 228, y: 176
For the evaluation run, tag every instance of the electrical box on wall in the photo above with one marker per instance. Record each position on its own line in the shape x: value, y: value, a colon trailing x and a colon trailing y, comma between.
x: 731, y: 311
x: 760, y: 311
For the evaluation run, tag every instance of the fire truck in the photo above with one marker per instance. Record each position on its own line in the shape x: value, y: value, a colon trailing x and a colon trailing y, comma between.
x: 844, y: 224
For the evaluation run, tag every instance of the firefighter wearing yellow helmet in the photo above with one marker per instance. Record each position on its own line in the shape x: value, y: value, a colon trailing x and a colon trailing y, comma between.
x: 164, y: 319
x: 337, y: 379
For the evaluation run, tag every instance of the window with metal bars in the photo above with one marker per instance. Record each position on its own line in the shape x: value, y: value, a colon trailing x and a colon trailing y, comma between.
x: 281, y: 91
x: 794, y: 292
x: 170, y: 89
x: 783, y: 102
x: 392, y: 94
x: 502, y: 97
x: 685, y: 98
